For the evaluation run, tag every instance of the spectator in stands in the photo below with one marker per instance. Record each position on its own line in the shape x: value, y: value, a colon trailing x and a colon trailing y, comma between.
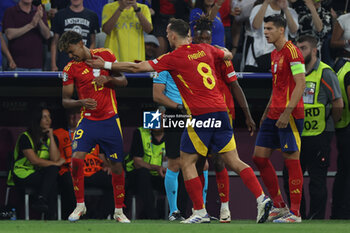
x: 151, y: 45
x: 96, y: 6
x: 340, y: 6
x: 226, y: 18
x: 124, y: 22
x: 314, y: 19
x: 26, y: 29
x: 36, y: 162
x: 144, y: 167
x: 4, y: 4
x: 60, y: 4
x: 323, y: 95
x: 341, y: 186
x: 210, y: 8
x: 166, y: 9
x: 5, y: 50
x: 76, y: 18
x: 241, y: 11
x: 341, y: 39
x: 258, y: 57
x: 65, y: 182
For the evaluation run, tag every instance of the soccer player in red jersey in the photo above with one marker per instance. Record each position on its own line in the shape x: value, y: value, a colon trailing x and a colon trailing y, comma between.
x: 227, y: 82
x: 282, y: 122
x: 191, y: 66
x: 99, y: 124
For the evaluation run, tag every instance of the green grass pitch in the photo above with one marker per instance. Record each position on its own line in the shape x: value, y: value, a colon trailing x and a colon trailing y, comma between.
x: 162, y: 226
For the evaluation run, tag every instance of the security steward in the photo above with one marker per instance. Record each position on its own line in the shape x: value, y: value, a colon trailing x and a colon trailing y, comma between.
x: 323, y: 105
x: 145, y: 172
x: 341, y: 186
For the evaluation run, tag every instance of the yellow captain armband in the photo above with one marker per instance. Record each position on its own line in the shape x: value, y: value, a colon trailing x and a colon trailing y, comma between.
x: 297, y: 68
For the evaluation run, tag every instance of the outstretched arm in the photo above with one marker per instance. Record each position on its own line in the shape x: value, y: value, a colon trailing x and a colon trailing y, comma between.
x: 130, y: 67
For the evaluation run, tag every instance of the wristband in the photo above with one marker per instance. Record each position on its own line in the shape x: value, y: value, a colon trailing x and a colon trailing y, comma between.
x: 137, y: 9
x: 108, y: 65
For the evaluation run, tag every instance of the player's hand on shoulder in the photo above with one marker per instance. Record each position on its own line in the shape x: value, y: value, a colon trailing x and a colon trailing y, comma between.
x: 96, y: 62
x: 89, y: 103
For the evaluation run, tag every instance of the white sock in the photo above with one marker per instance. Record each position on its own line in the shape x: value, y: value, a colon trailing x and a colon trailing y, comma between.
x: 224, y: 205
x: 201, y: 212
x: 119, y: 210
x: 260, y: 198
x: 81, y: 204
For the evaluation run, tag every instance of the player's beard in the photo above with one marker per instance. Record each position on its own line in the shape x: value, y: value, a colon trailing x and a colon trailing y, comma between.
x: 307, y: 59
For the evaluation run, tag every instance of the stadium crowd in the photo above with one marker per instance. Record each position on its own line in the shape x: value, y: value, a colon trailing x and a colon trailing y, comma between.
x: 135, y: 31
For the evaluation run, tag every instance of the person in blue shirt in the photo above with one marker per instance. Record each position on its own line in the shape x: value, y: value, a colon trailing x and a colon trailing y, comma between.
x: 5, y: 50
x: 208, y: 7
x: 96, y: 6
x: 166, y: 93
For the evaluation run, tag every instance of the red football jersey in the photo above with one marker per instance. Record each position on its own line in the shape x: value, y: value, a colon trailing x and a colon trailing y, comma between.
x: 82, y: 76
x: 193, y: 70
x: 283, y: 82
x: 226, y: 75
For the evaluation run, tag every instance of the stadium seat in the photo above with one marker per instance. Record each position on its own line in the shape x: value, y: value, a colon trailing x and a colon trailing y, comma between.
x: 158, y: 196
x: 27, y: 193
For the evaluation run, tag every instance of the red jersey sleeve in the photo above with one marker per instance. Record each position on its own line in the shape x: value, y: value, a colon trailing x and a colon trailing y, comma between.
x: 293, y: 55
x: 68, y: 77
x: 217, y: 53
x: 161, y: 63
x: 107, y: 54
x: 229, y: 74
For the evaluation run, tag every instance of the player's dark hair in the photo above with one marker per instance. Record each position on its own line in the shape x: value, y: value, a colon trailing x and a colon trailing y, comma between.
x: 67, y: 38
x: 203, y: 24
x: 308, y: 38
x: 277, y: 20
x: 179, y: 26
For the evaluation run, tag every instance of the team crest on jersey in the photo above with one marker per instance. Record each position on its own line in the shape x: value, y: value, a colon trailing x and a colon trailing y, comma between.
x: 65, y: 77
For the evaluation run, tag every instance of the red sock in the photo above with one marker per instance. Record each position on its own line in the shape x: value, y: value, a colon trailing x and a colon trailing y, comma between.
x: 195, y: 191
x: 222, y: 182
x: 250, y: 180
x: 118, y: 182
x: 78, y: 179
x: 268, y: 175
x: 295, y: 184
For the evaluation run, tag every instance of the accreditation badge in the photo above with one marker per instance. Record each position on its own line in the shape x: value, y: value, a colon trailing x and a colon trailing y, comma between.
x: 309, y: 93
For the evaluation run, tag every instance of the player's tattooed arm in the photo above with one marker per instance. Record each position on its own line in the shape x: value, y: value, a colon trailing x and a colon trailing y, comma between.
x: 68, y: 102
